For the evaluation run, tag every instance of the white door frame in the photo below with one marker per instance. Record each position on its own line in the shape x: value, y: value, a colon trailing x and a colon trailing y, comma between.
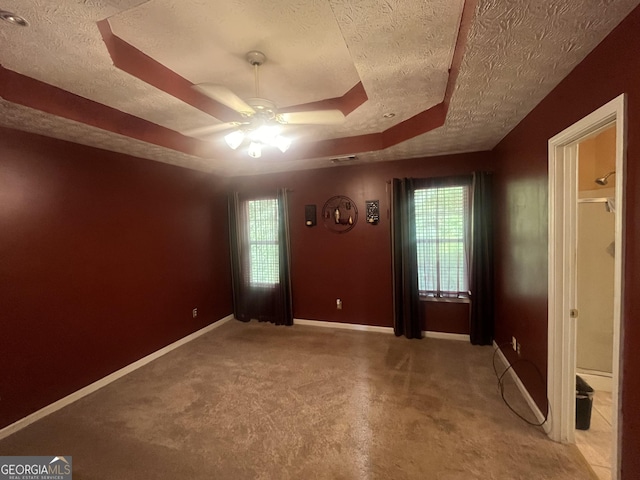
x: 563, y: 197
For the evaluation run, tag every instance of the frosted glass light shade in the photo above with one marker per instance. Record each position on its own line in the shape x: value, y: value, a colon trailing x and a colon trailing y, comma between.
x: 255, y: 150
x: 265, y: 135
x: 283, y: 143
x: 234, y: 139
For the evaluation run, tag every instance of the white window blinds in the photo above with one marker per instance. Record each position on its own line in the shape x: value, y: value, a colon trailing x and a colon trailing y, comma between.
x: 442, y: 226
x: 264, y: 265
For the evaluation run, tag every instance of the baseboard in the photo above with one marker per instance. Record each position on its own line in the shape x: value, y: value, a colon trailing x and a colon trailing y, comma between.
x: 343, y: 326
x: 447, y: 336
x: 373, y: 328
x: 98, y: 384
x: 523, y: 391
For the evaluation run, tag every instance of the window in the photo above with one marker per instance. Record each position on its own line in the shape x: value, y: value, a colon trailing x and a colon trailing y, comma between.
x: 442, y: 231
x: 264, y: 264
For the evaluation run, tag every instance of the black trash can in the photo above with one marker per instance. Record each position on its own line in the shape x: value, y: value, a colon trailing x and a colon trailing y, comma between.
x: 584, y: 403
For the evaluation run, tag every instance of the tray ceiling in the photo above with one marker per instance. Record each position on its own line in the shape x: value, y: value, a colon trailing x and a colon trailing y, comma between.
x: 457, y: 75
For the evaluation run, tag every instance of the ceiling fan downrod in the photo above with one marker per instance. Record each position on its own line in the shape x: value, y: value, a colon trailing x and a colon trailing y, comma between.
x: 256, y: 59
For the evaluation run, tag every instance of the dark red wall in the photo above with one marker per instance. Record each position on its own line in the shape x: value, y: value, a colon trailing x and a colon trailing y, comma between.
x: 355, y: 266
x: 611, y: 69
x: 102, y: 258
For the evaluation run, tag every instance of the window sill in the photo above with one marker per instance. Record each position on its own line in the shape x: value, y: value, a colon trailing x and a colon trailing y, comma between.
x: 427, y: 298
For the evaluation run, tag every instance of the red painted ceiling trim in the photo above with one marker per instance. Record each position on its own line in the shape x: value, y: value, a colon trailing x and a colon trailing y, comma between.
x: 420, y: 123
x: 417, y: 125
x: 35, y: 94
x: 23, y: 90
x: 468, y: 13
x: 131, y: 60
x: 346, y: 103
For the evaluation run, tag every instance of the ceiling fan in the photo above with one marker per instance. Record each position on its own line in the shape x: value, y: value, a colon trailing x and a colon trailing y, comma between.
x: 260, y: 120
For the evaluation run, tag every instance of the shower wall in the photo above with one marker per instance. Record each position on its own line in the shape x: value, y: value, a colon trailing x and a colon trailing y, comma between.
x: 596, y: 234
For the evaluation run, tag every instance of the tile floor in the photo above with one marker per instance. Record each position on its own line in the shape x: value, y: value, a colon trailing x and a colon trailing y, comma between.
x: 595, y: 443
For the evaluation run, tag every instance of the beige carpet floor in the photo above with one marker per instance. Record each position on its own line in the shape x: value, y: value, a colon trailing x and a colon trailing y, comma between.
x: 256, y: 401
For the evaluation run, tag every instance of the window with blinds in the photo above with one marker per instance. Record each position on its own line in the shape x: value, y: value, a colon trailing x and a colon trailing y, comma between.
x: 442, y: 231
x: 264, y: 264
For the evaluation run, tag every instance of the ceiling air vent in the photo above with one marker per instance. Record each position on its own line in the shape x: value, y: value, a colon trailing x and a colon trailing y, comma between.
x: 343, y: 160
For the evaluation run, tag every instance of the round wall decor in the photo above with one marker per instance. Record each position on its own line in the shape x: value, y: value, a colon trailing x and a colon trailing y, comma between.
x: 340, y: 214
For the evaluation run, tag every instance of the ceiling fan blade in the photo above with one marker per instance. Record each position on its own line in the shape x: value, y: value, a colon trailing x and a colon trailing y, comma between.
x: 225, y: 96
x: 210, y: 129
x: 313, y: 117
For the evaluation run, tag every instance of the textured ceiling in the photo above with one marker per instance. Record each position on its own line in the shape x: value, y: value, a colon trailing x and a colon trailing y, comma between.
x: 307, y: 58
x: 515, y: 52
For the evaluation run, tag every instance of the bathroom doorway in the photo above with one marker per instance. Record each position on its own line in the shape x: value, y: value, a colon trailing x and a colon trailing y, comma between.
x: 565, y: 205
x: 595, y: 265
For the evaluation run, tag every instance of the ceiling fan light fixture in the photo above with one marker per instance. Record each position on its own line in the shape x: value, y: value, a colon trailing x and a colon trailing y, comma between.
x: 234, y: 139
x: 261, y: 123
x: 255, y: 150
x: 265, y: 134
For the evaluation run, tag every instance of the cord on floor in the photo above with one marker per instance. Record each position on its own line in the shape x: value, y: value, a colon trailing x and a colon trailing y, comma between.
x: 501, y: 384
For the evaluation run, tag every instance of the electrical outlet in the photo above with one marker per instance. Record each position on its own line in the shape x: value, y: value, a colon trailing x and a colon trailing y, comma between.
x: 514, y: 344
x: 338, y: 304
x: 194, y: 312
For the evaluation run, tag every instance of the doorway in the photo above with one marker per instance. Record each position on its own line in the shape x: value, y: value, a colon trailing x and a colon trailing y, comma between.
x: 564, y: 314
x: 595, y: 296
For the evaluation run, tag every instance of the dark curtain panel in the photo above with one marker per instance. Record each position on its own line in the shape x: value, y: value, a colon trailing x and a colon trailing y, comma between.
x: 285, y: 306
x: 481, y: 278
x: 406, y: 301
x: 236, y: 249
x: 266, y: 302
